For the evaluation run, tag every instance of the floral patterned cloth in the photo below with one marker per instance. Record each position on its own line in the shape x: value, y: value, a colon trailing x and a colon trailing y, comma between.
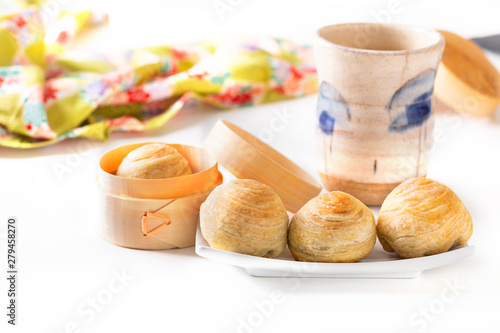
x: 46, y: 96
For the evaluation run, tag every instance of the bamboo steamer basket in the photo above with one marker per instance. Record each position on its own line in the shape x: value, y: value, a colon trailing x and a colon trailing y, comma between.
x: 154, y: 214
x: 466, y: 81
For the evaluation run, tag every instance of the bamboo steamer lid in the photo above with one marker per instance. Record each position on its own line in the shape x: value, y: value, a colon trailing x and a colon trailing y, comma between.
x: 466, y: 81
x: 247, y: 157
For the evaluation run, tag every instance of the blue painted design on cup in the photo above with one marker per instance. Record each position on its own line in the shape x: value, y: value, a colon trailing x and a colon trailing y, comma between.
x: 326, y: 122
x: 411, y: 105
x: 332, y: 111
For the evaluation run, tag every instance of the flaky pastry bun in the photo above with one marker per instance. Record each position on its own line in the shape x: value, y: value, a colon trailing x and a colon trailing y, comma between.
x: 245, y: 216
x: 333, y: 227
x: 422, y: 217
x: 154, y: 161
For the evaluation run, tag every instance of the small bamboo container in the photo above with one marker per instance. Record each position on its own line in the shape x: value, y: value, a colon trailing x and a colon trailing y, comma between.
x: 154, y: 214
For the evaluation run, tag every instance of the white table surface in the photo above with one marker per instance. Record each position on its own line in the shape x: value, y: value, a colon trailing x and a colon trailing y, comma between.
x: 63, y: 264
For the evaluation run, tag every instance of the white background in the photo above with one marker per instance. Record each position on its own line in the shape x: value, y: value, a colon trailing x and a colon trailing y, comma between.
x: 63, y: 262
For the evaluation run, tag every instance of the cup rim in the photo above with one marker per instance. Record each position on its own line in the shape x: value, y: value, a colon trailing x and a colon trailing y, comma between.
x: 440, y: 39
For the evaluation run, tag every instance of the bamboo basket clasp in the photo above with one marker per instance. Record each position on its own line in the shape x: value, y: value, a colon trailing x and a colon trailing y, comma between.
x: 144, y: 221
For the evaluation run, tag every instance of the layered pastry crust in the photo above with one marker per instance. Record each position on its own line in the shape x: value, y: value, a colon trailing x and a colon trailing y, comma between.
x: 245, y: 216
x: 154, y: 161
x: 422, y: 217
x: 333, y: 227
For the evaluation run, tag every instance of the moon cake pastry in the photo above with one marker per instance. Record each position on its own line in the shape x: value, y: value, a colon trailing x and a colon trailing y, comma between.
x: 333, y: 227
x: 245, y: 216
x: 422, y: 217
x: 154, y: 161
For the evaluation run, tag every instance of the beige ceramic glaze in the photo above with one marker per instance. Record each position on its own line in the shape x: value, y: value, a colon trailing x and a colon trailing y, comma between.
x: 375, y: 106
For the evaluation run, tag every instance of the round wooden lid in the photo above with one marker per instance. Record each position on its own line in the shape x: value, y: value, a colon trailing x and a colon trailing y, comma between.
x: 247, y: 157
x: 466, y: 81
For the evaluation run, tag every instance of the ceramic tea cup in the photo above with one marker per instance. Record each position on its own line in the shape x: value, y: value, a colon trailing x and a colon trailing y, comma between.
x: 375, y: 106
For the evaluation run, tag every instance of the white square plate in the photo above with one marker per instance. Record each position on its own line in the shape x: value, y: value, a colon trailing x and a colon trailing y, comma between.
x: 379, y: 264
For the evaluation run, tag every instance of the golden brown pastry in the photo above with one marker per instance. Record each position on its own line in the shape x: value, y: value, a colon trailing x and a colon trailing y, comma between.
x: 245, y: 216
x: 421, y: 217
x: 154, y: 161
x: 333, y: 227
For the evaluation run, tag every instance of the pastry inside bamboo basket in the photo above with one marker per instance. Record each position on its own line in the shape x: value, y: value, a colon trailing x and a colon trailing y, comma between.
x: 154, y: 214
